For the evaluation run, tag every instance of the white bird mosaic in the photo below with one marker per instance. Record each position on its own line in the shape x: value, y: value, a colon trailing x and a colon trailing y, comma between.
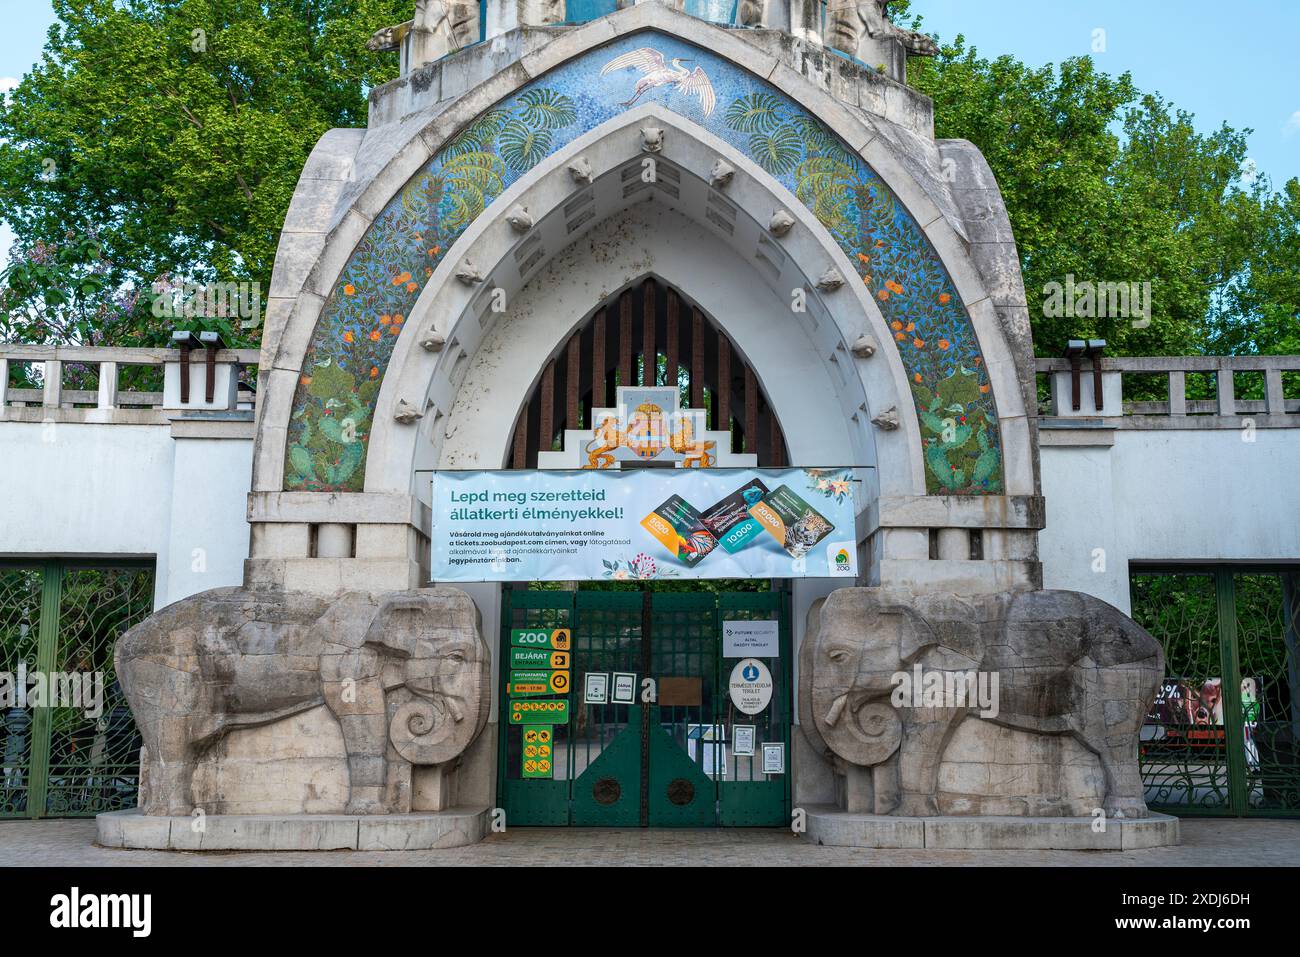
x: 658, y: 72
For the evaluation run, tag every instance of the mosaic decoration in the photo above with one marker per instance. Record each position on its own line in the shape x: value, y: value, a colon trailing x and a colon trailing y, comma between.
x: 349, y: 352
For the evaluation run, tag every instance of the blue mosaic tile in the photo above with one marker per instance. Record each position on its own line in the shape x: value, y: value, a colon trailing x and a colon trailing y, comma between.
x: 334, y: 405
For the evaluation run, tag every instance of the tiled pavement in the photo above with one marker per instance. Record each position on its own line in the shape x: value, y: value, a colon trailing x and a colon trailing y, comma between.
x: 1206, y: 842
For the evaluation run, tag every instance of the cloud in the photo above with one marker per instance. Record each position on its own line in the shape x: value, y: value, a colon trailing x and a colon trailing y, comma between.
x: 1292, y: 126
x: 7, y: 83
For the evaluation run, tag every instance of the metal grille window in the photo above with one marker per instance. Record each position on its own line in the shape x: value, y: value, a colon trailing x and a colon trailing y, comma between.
x: 68, y: 742
x: 1224, y: 735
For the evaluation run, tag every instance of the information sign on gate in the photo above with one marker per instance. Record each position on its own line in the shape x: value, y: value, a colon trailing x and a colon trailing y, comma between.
x: 540, y: 711
x: 553, y: 639
x: 538, y: 758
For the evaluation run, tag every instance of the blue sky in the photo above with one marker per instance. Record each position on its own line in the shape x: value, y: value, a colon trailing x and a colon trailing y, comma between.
x: 1232, y: 62
x: 1225, y: 62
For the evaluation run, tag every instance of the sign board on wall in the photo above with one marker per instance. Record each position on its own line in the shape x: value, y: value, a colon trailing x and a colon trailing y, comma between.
x: 750, y: 686
x: 746, y: 639
x: 642, y: 524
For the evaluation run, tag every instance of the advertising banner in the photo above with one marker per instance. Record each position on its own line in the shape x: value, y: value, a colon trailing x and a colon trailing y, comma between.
x: 642, y: 524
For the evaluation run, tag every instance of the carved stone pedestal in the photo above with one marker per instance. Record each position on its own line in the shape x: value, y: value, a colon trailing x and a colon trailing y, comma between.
x: 455, y: 827
x: 835, y: 828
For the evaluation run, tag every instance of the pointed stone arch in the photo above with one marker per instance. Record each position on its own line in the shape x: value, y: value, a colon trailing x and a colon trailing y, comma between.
x: 865, y: 308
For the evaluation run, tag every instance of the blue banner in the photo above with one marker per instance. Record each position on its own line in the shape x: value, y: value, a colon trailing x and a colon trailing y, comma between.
x: 643, y: 524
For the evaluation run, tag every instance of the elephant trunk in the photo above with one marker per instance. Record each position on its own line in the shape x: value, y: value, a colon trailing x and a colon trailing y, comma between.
x: 424, y: 730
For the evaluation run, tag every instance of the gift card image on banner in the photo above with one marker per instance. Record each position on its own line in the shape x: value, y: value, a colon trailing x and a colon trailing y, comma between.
x: 795, y: 524
x: 729, y: 520
x: 677, y: 526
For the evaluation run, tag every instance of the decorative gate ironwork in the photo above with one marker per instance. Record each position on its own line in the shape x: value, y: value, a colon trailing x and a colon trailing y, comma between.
x: 1224, y: 736
x: 59, y: 620
x: 670, y: 762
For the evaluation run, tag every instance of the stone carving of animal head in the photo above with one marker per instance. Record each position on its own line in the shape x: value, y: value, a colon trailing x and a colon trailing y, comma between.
x: 851, y: 22
x: 854, y: 644
x: 445, y: 668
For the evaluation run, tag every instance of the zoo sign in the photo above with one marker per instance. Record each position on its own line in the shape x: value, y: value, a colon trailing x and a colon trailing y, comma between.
x: 641, y: 524
x: 556, y: 640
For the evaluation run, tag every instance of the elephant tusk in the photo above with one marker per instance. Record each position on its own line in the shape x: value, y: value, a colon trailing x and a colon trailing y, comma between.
x: 453, y: 706
x: 837, y: 708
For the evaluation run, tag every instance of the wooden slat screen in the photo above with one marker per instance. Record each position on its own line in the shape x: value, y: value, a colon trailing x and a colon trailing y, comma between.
x: 603, y: 354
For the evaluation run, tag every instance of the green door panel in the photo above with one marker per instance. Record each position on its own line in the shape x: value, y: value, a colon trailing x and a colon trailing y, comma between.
x: 602, y: 756
x: 532, y: 803
x: 608, y: 792
x: 754, y: 803
x: 681, y: 794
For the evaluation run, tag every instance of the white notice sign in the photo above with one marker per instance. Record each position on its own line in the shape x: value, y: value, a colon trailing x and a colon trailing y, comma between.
x: 750, y: 686
x: 624, y: 688
x: 750, y: 639
x: 774, y: 759
x: 596, y: 690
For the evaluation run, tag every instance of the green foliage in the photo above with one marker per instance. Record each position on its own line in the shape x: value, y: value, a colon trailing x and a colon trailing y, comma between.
x: 957, y: 452
x: 162, y: 140
x: 526, y: 137
x: 1107, y: 184
x: 471, y: 181
x: 776, y: 150
x: 171, y: 133
x: 547, y: 109
x: 754, y: 113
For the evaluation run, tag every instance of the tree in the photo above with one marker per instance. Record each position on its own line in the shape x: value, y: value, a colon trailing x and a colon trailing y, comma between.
x: 163, y: 139
x: 1107, y: 185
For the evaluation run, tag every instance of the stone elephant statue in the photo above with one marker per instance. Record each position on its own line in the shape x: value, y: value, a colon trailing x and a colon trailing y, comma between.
x: 405, y: 674
x: 857, y: 27
x: 1066, y: 664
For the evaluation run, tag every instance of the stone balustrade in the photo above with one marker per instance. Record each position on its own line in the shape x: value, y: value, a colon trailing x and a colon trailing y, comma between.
x: 50, y: 398
x: 1228, y: 377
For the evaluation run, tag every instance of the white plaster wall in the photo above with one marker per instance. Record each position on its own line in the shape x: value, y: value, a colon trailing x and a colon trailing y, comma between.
x: 129, y: 491
x: 207, y: 538
x: 1180, y: 496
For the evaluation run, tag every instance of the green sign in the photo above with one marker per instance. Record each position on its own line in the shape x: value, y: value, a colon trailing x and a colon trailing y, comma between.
x: 539, y: 658
x: 540, y: 711
x: 552, y: 639
x: 524, y: 684
x: 538, y: 756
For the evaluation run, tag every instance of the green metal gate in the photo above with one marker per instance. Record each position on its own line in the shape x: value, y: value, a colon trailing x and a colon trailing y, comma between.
x: 663, y: 759
x: 1224, y: 736
x: 71, y: 749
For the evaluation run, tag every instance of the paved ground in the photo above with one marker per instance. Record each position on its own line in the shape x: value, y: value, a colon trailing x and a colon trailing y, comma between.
x: 1205, y: 842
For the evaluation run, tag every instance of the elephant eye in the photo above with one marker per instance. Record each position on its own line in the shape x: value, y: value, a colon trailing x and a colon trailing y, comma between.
x: 838, y: 655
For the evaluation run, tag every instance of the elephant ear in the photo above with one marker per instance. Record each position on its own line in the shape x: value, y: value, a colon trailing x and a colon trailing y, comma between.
x: 396, y: 625
x: 807, y: 664
x: 915, y: 635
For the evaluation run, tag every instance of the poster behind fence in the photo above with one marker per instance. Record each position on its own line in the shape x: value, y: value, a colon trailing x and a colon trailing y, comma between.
x: 642, y: 524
